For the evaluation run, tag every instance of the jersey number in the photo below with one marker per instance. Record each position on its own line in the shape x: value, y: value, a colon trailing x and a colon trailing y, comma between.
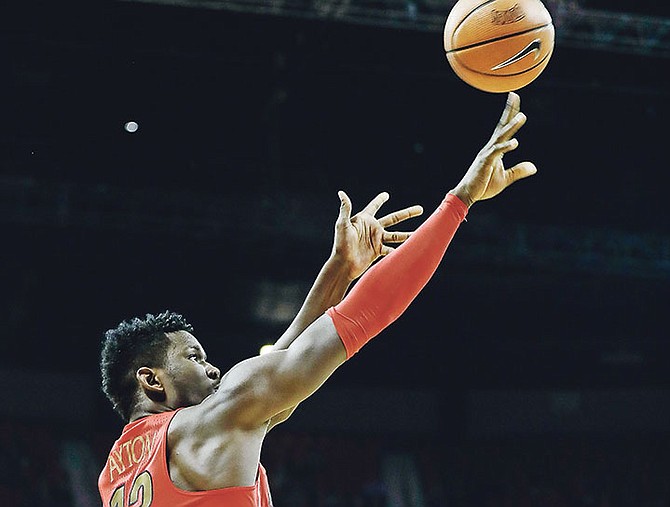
x: 143, y: 484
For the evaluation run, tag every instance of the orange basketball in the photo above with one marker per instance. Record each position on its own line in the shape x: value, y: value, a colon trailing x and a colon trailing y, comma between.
x: 498, y: 45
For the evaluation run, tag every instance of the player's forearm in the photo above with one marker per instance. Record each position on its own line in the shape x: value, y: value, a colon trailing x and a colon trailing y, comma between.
x: 329, y: 288
x: 388, y: 288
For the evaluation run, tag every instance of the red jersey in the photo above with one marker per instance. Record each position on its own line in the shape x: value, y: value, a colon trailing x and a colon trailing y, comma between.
x: 136, y: 474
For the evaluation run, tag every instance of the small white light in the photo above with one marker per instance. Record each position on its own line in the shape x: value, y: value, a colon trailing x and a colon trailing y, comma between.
x: 266, y: 348
x: 131, y: 127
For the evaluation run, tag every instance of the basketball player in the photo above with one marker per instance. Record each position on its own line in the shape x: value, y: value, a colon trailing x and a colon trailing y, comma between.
x: 194, y: 436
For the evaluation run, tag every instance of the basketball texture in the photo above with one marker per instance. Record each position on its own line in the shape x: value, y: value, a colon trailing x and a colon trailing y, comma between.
x: 498, y: 45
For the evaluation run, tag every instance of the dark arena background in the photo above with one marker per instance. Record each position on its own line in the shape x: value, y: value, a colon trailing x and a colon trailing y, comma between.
x: 533, y: 370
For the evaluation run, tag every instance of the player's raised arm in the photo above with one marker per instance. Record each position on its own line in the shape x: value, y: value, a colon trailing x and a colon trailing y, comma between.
x: 257, y: 389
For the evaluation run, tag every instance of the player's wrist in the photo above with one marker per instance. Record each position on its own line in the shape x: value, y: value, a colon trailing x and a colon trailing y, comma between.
x: 462, y: 192
x: 340, y: 266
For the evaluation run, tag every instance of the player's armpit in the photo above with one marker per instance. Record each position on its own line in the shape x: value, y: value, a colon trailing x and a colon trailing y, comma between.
x: 258, y: 389
x: 281, y: 417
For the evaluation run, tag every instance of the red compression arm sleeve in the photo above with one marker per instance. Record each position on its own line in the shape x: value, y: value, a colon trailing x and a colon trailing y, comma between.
x: 388, y: 287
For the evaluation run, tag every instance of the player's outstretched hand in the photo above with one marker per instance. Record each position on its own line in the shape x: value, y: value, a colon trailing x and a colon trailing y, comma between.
x: 361, y: 239
x: 487, y: 176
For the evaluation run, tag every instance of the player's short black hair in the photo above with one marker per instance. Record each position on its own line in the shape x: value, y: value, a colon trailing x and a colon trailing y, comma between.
x: 130, y: 345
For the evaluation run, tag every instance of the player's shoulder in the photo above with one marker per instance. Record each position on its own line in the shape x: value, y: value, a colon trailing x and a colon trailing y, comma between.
x: 216, y: 415
x: 193, y: 423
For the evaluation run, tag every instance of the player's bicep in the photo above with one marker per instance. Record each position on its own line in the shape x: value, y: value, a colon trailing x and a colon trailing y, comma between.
x: 259, y: 388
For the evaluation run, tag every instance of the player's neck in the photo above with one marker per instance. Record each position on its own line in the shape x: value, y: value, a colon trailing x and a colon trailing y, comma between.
x: 146, y: 408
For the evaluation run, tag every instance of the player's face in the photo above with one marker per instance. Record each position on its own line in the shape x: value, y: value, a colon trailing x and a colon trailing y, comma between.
x: 190, y: 378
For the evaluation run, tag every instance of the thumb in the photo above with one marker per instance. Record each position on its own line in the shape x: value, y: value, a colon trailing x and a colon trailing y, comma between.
x: 520, y: 171
x: 345, y: 208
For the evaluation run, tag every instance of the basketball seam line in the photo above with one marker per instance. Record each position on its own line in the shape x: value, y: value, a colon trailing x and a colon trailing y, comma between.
x: 470, y: 13
x: 477, y: 44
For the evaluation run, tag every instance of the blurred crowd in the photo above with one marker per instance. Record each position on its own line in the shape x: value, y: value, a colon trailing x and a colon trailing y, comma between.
x: 31, y: 471
x: 41, y: 467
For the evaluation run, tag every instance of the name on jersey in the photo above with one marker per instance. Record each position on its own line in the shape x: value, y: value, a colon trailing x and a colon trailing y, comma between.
x: 127, y: 454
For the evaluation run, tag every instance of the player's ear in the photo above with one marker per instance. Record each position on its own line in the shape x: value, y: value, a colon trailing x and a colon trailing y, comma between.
x: 149, y: 381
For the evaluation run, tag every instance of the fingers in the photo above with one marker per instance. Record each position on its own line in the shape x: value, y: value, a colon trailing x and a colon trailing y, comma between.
x: 513, y: 126
x: 505, y: 132
x: 512, y: 107
x: 502, y: 140
x: 507, y: 146
x: 385, y: 250
x: 520, y: 171
x: 395, y: 237
x: 511, y: 121
x: 493, y: 151
x: 395, y: 218
x: 376, y: 203
x: 345, y: 208
x: 400, y: 216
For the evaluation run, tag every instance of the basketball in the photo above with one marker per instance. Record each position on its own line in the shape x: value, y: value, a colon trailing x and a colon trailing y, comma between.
x: 498, y: 45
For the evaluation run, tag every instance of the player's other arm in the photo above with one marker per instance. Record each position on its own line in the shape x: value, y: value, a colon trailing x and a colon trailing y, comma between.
x: 328, y: 289
x: 358, y: 242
